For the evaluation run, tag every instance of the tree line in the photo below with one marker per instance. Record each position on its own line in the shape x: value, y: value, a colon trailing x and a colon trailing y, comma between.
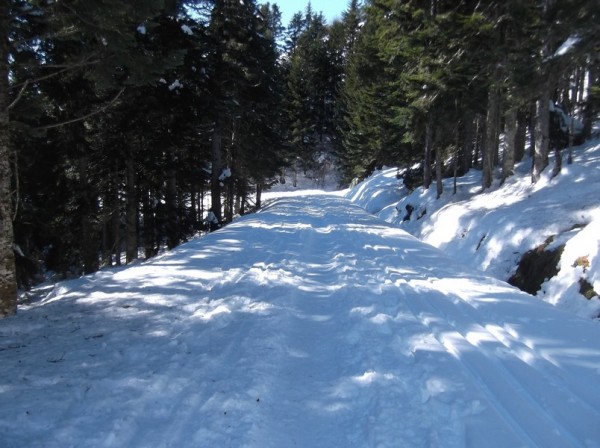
x: 440, y: 82
x: 120, y: 121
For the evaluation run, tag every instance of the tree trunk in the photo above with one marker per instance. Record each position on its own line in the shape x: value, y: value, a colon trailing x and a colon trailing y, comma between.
x: 542, y: 135
x: 438, y: 171
x: 131, y: 211
x: 193, y: 209
x: 229, y: 199
x: 455, y: 157
x: 427, y: 155
x: 571, y: 137
x: 548, y: 81
x: 149, y: 222
x: 557, y: 161
x: 217, y: 166
x: 479, y: 138
x: 455, y: 173
x: 116, y: 218
x: 172, y: 224
x: 259, y: 188
x: 87, y: 211
x: 201, y: 205
x: 490, y: 144
x: 580, y: 98
x: 109, y: 208
x: 468, y: 142
x: 589, y: 111
x: 8, y: 278
x: 240, y: 199
x: 520, y: 136
x: 508, y: 155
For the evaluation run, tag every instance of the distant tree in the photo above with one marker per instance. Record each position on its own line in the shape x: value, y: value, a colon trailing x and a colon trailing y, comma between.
x: 242, y: 70
x: 451, y: 78
x: 313, y: 69
x: 370, y: 100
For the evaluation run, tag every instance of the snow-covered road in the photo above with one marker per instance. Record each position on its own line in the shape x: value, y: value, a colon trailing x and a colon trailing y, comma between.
x: 309, y: 324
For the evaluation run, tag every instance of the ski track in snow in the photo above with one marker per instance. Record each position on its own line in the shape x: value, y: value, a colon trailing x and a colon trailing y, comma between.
x: 309, y: 324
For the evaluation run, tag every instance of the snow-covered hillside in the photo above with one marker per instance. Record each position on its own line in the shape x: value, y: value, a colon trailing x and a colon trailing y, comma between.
x: 491, y: 231
x: 309, y: 324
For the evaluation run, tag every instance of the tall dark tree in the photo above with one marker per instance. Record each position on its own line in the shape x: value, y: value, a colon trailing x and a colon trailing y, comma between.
x: 242, y: 69
x: 307, y: 95
x: 8, y: 279
x: 100, y: 37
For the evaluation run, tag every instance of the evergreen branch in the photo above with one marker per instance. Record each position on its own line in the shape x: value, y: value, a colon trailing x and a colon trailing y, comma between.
x: 84, y: 117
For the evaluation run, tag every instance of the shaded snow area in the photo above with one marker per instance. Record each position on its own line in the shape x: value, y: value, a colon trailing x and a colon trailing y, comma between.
x: 491, y: 231
x: 309, y: 324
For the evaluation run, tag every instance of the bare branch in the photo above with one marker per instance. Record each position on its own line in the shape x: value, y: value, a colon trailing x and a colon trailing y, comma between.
x: 83, y: 19
x: 86, y: 62
x: 19, y: 95
x: 67, y: 31
x: 84, y: 117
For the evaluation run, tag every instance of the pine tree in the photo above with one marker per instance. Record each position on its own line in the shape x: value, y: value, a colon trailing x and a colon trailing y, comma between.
x: 293, y: 32
x: 369, y: 102
x: 243, y: 67
x: 95, y: 39
x: 306, y: 88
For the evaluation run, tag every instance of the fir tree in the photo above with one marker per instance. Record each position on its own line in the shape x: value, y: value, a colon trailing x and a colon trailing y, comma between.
x: 91, y: 40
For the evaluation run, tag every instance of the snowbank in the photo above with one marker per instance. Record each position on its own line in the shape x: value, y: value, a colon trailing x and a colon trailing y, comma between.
x: 491, y: 231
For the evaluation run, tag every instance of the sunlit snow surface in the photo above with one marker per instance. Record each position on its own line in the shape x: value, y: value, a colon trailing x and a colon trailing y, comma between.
x: 491, y: 231
x: 309, y: 324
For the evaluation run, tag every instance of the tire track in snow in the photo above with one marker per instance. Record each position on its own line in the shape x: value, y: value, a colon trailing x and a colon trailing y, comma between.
x: 312, y: 327
x: 322, y: 377
x: 225, y: 332
x: 298, y: 368
x: 520, y: 354
x: 491, y: 376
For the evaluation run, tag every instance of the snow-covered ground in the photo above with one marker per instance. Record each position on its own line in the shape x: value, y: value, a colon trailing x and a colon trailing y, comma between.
x: 491, y: 231
x: 311, y: 324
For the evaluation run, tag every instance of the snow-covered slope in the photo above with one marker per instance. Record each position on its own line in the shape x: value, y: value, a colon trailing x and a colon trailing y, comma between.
x: 491, y: 231
x: 309, y: 324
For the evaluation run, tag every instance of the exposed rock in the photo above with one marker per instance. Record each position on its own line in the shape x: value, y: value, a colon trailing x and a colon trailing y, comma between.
x: 537, y: 266
x: 586, y: 289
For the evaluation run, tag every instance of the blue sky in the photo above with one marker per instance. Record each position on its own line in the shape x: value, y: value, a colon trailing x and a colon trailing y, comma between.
x: 331, y: 9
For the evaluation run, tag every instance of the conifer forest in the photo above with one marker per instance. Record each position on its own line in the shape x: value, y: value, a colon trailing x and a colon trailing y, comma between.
x: 122, y: 121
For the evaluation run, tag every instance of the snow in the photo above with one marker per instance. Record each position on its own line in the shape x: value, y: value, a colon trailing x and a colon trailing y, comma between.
x: 567, y: 45
x: 315, y: 323
x: 491, y: 231
x: 225, y: 174
x: 312, y: 323
x: 566, y: 122
x: 175, y: 85
x: 187, y: 30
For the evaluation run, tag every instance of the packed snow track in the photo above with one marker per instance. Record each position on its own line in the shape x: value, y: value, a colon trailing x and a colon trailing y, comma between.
x: 308, y: 324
